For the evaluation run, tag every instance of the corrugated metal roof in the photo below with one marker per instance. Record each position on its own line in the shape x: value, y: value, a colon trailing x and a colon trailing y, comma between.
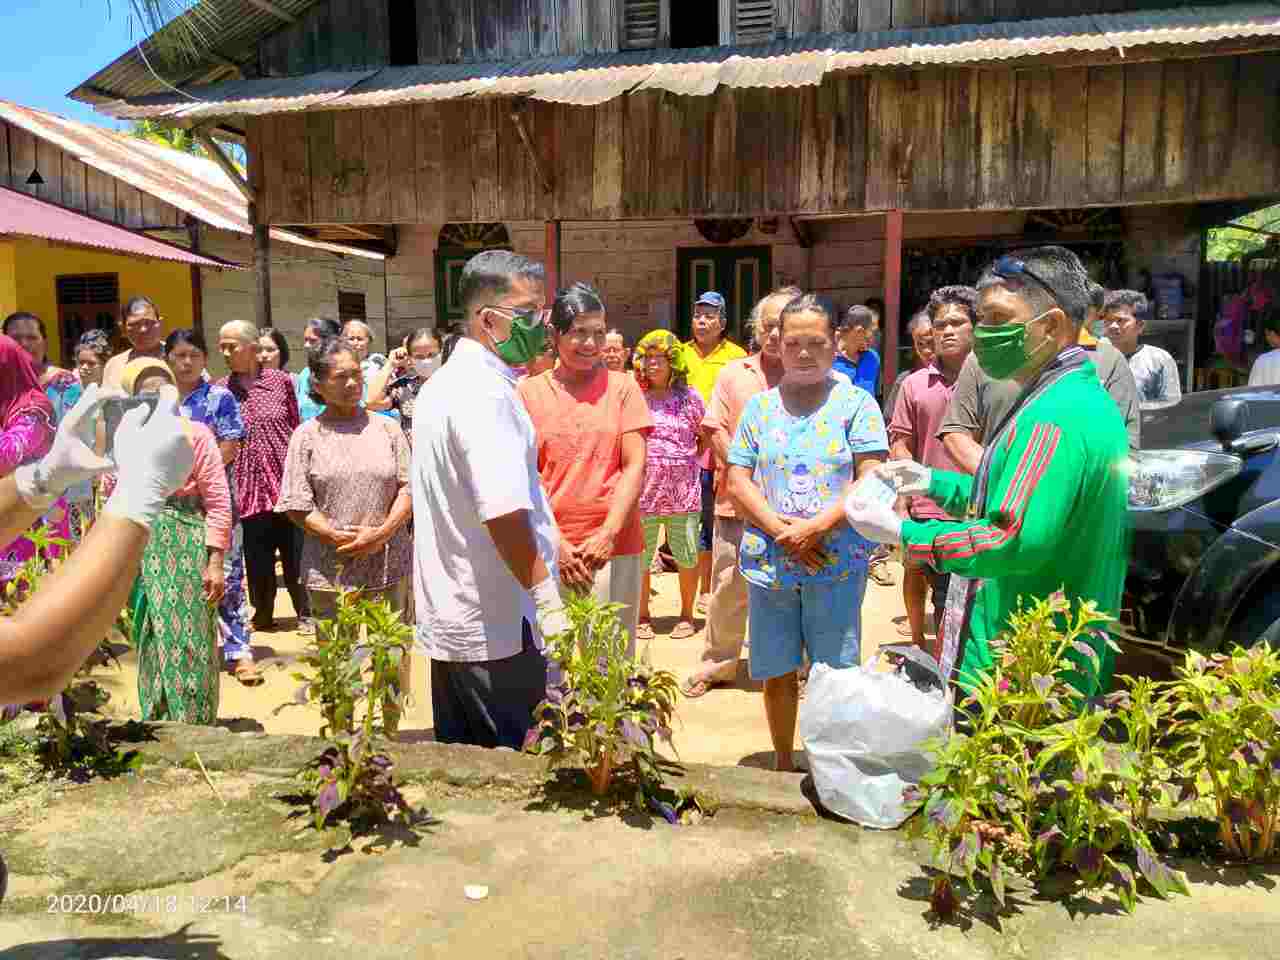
x: 24, y: 216
x: 594, y: 79
x: 193, y: 184
x: 233, y: 27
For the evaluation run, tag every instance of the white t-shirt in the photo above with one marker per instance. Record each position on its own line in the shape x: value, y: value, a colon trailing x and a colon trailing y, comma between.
x: 1155, y: 373
x: 1266, y: 370
x: 474, y: 459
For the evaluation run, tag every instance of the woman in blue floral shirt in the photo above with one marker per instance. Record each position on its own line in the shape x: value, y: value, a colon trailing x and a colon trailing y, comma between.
x: 798, y: 449
x: 218, y: 409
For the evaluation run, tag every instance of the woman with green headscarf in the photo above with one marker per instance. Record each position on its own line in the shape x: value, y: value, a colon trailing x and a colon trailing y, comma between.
x: 672, y: 495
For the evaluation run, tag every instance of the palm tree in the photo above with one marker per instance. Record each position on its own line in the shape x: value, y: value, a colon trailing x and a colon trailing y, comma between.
x: 177, y: 36
x: 175, y: 138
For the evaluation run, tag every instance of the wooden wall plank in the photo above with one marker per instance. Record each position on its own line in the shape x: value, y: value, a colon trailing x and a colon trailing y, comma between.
x: 455, y: 164
x: 784, y: 152
x: 826, y: 16
x: 813, y: 173
x: 668, y: 177
x: 291, y: 195
x: 401, y: 197
x: 49, y: 160
x: 875, y: 14
x: 637, y: 161
x: 907, y: 13
x: 488, y: 19
x: 1216, y: 123
x: 885, y: 147
x: 722, y: 180
x: 607, y: 182
x: 1143, y: 89
x: 1255, y: 161
x: 697, y: 138
x: 973, y: 11
x: 960, y: 121
x: 268, y: 156
x: 569, y: 26
x: 996, y: 149
x: 377, y: 165
x: 782, y: 16
x: 849, y: 142
x: 542, y: 27
x: 938, y: 12
x: 431, y: 42
x: 322, y: 162
x: 514, y: 170
x: 457, y: 31
x: 377, y: 33
x: 543, y: 119
x: 100, y: 190
x: 926, y: 96
x: 577, y: 162
x: 486, y: 166
x: 1035, y: 137
x: 428, y: 163
x: 1175, y: 170
x: 598, y: 32
x: 128, y: 205
x: 22, y: 159
x: 73, y: 183
x: 349, y: 173
x: 1105, y: 136
x: 7, y: 173
x: 1070, y: 154
x: 514, y: 29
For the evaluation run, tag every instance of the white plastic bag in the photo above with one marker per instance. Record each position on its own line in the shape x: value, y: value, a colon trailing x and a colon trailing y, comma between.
x: 863, y: 730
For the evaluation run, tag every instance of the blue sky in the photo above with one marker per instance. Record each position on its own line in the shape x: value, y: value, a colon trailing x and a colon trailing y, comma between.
x: 49, y: 46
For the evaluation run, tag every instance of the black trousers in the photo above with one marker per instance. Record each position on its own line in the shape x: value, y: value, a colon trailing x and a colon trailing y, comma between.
x: 265, y: 535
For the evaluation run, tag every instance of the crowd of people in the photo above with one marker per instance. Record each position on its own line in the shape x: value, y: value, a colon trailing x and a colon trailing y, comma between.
x: 473, y: 479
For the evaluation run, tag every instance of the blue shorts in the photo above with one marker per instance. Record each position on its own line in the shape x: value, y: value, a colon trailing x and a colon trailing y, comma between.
x: 708, y: 510
x: 822, y: 619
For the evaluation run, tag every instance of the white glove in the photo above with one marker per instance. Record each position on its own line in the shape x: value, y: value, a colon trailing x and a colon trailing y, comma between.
x: 875, y: 521
x: 153, y: 459
x: 906, y: 476
x: 71, y: 459
x: 552, y: 619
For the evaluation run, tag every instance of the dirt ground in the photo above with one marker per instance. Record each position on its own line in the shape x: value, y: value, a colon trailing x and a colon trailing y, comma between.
x: 726, y: 726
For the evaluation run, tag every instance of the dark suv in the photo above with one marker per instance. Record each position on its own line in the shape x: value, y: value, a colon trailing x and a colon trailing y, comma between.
x: 1204, y: 498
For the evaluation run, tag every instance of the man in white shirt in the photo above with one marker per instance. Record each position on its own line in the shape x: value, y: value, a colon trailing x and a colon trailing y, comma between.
x: 1266, y: 369
x: 485, y: 540
x: 1154, y: 370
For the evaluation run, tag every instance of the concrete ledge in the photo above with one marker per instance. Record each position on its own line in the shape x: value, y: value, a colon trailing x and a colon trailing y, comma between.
x: 744, y: 788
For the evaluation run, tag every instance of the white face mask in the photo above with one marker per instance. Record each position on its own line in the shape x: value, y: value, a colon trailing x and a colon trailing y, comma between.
x: 427, y: 366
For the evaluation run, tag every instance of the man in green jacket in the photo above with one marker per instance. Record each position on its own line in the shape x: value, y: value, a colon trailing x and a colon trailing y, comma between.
x: 1047, y: 507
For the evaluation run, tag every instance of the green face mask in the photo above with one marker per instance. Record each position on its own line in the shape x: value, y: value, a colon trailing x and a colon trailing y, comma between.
x: 1001, y: 348
x: 527, y: 339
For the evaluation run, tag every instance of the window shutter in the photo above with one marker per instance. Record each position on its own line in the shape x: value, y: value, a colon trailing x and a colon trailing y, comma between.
x: 640, y: 24
x: 753, y: 21
x: 88, y: 288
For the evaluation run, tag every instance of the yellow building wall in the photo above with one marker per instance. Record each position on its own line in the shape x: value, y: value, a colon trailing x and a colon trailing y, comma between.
x: 28, y: 281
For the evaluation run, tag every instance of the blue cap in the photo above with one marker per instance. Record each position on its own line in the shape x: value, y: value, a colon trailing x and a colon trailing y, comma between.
x: 711, y: 299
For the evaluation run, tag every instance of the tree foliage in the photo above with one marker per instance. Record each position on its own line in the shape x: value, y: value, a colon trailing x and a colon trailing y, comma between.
x: 1226, y: 243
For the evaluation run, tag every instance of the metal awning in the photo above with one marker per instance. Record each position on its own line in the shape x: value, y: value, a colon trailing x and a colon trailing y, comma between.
x: 24, y: 216
x: 804, y: 61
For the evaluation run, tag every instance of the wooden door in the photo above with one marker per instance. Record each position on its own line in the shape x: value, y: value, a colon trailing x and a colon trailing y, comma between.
x: 740, y: 274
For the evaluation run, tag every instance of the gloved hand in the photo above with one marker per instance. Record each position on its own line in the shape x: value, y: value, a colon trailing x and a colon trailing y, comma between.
x: 875, y: 521
x: 153, y: 458
x: 552, y: 619
x: 906, y: 476
x: 71, y: 459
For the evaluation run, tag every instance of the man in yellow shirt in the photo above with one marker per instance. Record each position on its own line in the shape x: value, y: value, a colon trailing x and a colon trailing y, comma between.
x: 711, y: 350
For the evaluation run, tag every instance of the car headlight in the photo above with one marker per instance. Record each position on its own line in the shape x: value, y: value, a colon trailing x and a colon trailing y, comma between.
x: 1164, y: 479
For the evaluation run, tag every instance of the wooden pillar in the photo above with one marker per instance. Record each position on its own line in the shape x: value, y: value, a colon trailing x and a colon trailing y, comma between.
x: 261, y: 269
x: 551, y: 260
x: 892, y: 296
x: 197, y: 282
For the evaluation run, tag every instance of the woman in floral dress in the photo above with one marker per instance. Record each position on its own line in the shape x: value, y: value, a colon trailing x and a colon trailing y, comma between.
x: 672, y: 495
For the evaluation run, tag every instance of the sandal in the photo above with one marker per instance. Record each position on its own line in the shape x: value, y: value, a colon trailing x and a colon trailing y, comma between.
x: 644, y: 631
x: 246, y: 671
x: 880, y: 575
x: 700, y: 608
x: 695, y: 687
x: 684, y: 629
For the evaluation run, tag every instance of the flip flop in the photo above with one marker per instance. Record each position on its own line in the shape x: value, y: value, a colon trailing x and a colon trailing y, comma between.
x: 695, y: 687
x: 246, y: 671
x: 684, y: 629
x: 644, y: 631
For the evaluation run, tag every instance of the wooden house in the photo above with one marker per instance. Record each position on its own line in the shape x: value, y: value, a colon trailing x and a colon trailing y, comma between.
x: 185, y: 201
x: 857, y: 147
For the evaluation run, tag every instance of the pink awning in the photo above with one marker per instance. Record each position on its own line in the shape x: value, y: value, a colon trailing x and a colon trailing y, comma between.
x: 24, y: 216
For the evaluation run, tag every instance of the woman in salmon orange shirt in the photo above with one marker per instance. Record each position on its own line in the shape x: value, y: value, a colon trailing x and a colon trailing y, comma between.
x: 592, y: 425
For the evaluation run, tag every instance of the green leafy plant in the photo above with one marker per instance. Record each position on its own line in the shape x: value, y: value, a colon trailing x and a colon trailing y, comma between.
x: 1226, y: 725
x: 355, y: 663
x: 1033, y: 786
x: 608, y: 710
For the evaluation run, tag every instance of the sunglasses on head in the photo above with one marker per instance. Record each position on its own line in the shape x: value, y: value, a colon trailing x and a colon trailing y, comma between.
x: 1010, y: 267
